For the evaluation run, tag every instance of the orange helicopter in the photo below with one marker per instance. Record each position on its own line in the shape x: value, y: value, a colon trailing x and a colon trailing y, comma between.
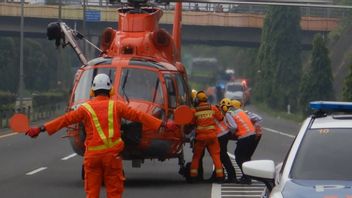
x: 143, y: 62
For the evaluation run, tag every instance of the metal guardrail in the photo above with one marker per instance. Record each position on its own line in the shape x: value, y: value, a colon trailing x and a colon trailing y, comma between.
x: 201, y: 18
x: 201, y: 7
x: 34, y: 114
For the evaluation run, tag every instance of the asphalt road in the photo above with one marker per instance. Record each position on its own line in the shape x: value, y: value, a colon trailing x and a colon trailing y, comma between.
x: 47, y: 167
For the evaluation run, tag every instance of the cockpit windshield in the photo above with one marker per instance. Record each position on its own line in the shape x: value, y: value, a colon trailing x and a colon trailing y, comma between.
x: 81, y: 93
x: 141, y: 84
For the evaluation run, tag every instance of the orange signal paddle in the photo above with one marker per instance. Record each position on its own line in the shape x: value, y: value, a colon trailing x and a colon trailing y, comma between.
x: 183, y: 115
x: 19, y: 123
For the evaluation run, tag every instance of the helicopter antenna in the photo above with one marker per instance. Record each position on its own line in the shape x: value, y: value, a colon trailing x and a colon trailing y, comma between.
x: 80, y: 36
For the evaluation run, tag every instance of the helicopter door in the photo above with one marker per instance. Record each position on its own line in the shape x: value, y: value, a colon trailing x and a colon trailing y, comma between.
x: 177, y: 90
x: 171, y: 90
x: 183, y: 93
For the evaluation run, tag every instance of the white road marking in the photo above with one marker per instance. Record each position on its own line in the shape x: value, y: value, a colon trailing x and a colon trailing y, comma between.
x: 243, y: 191
x: 279, y: 132
x: 231, y: 156
x: 241, y: 196
x: 69, y: 156
x: 241, y: 187
x: 36, y: 171
x: 7, y: 135
x: 238, y: 190
x: 216, y: 190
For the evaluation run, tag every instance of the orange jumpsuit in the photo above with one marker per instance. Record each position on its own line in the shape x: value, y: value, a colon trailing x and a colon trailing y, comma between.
x: 206, y: 137
x: 101, y: 118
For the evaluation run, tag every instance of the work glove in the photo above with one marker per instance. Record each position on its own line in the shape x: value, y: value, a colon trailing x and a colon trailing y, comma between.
x: 34, y: 132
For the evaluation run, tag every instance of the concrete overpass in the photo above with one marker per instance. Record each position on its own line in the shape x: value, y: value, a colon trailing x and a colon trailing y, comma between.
x: 212, y: 28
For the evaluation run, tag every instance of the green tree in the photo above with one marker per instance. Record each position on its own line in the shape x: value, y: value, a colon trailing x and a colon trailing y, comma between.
x: 279, y: 58
x: 9, y: 65
x: 347, y: 88
x: 317, y: 81
x: 36, y: 67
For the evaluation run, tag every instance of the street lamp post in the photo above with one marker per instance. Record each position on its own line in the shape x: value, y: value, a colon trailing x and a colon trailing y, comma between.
x: 84, y: 24
x: 21, y: 82
x: 60, y: 7
x: 59, y: 80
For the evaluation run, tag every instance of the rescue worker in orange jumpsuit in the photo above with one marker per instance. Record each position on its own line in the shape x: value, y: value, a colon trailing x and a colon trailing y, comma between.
x: 101, y: 118
x: 239, y: 122
x: 192, y: 135
x: 206, y: 136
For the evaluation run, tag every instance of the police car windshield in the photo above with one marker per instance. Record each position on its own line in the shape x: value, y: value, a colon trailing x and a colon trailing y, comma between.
x: 324, y: 154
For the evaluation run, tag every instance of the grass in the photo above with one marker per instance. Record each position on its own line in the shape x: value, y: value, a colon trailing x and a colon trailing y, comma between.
x: 298, y: 116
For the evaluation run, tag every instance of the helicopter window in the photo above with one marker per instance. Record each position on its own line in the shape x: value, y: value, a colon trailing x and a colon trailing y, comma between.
x: 144, y: 62
x: 85, y: 82
x: 182, y: 90
x: 141, y: 84
x: 100, y: 61
x: 171, y: 91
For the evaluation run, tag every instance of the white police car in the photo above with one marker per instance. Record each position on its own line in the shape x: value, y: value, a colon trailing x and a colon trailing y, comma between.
x: 319, y: 163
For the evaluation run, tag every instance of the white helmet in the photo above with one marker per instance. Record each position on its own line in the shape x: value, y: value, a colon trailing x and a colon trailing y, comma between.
x: 101, y: 81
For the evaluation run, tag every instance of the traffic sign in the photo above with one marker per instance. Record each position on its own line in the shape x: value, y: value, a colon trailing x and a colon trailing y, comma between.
x: 92, y: 15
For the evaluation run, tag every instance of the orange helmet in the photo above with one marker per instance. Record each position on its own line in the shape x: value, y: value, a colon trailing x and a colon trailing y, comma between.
x: 201, y: 96
x: 235, y: 103
x: 225, y: 104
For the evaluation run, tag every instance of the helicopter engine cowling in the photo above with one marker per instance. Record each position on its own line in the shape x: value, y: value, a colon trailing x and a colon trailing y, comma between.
x: 108, y: 37
x: 161, y: 38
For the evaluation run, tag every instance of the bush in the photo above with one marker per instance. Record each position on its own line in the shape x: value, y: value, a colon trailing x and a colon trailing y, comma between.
x: 7, y: 100
x: 48, y: 98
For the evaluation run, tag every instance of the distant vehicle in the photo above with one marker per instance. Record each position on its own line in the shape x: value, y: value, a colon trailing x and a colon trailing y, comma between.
x: 319, y: 161
x: 203, y: 72
x: 238, y: 90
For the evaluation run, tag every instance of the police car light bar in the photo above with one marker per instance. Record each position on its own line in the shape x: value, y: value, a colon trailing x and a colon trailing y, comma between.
x: 331, y: 106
